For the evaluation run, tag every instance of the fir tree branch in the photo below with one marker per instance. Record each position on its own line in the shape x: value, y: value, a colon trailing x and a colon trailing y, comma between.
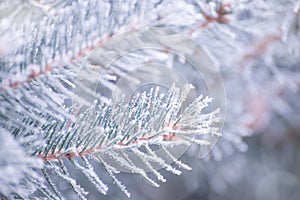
x: 119, y: 128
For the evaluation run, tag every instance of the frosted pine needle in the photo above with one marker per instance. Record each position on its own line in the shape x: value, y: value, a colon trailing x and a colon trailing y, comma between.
x: 128, y: 134
x: 146, y: 119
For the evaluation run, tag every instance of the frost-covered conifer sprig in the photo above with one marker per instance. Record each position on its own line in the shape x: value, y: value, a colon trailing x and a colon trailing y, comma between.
x: 122, y: 135
x: 40, y: 46
x: 39, y: 56
x: 41, y: 42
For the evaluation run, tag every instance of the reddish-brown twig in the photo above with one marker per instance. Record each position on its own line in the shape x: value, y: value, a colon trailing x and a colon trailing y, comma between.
x: 220, y: 18
x: 261, y: 47
x: 59, y: 154
x: 54, y: 64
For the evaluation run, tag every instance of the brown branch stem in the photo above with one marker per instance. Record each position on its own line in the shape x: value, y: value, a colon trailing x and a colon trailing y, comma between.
x: 220, y: 18
x: 33, y: 75
x: 56, y: 155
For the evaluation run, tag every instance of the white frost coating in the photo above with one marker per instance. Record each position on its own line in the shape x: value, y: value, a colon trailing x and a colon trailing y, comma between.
x: 110, y: 77
x: 175, y: 160
x: 133, y: 168
x: 151, y: 168
x: 88, y: 171
x: 79, y: 191
x: 111, y: 171
x: 154, y: 158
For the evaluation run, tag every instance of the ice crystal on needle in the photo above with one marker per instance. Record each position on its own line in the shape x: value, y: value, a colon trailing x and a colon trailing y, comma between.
x: 128, y: 134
